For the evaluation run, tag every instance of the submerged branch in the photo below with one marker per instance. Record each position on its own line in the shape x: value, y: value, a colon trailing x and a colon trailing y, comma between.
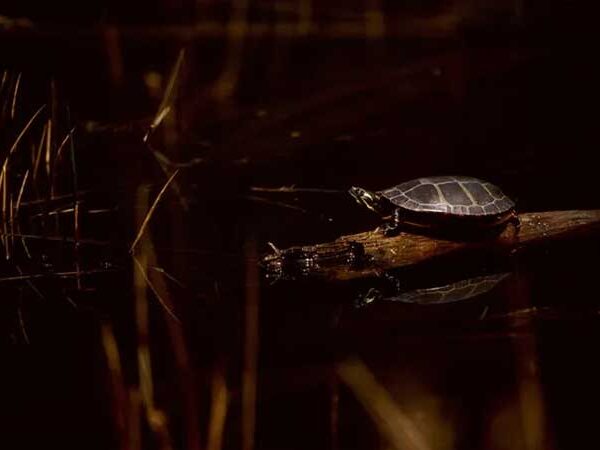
x: 338, y: 259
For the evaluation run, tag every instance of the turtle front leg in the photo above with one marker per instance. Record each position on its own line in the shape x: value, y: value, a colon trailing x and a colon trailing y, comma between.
x: 393, y: 228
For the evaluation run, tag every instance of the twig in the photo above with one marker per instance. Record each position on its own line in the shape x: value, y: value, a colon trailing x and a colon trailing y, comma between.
x: 218, y: 411
x: 276, y: 203
x: 154, y: 291
x: 71, y: 210
x: 157, y: 420
x: 151, y: 210
x: 30, y: 284
x: 68, y: 274
x: 237, y: 29
x: 142, y: 334
x: 57, y: 159
x: 14, y: 101
x: 163, y: 111
x: 21, y: 190
x: 4, y: 204
x: 251, y: 345
x: 393, y: 423
x: 22, y: 133
x: 4, y: 78
x: 76, y: 237
x: 55, y: 199
x: 293, y: 189
x: 48, y: 154
x: 441, y: 26
x: 22, y: 324
x: 165, y: 104
x: 164, y: 160
x: 12, y: 221
x: 168, y: 275
x: 304, y: 17
x: 65, y: 239
x: 120, y: 399
x: 38, y: 157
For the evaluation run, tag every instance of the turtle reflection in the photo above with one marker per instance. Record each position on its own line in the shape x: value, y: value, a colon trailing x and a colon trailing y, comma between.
x: 448, y: 293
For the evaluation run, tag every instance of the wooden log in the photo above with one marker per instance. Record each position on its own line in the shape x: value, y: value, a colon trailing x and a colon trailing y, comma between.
x: 366, y: 254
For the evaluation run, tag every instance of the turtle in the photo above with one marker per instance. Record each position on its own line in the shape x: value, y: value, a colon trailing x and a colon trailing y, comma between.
x: 449, y: 293
x: 461, y: 202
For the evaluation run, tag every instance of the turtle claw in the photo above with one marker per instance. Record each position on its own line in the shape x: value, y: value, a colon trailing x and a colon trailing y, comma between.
x: 371, y: 296
x: 390, y: 229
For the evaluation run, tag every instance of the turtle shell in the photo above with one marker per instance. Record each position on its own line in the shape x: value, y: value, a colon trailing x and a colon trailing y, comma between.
x: 456, y: 195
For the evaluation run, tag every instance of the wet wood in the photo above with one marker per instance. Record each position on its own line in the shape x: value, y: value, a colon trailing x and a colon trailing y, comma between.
x: 337, y: 259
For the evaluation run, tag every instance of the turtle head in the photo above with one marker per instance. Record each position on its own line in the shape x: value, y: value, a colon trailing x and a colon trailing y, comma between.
x: 366, y: 198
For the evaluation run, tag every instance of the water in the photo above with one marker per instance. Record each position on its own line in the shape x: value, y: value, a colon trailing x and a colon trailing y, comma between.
x: 302, y: 367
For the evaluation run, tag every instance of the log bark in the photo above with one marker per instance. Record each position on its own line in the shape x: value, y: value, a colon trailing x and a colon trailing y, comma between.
x: 338, y: 259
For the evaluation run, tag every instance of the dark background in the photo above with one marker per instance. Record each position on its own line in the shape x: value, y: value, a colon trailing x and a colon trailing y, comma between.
x: 504, y: 91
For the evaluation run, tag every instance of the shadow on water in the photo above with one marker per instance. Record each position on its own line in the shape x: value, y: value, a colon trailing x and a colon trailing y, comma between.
x: 137, y: 203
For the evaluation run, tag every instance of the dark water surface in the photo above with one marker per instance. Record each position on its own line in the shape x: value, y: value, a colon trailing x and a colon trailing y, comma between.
x: 302, y: 367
